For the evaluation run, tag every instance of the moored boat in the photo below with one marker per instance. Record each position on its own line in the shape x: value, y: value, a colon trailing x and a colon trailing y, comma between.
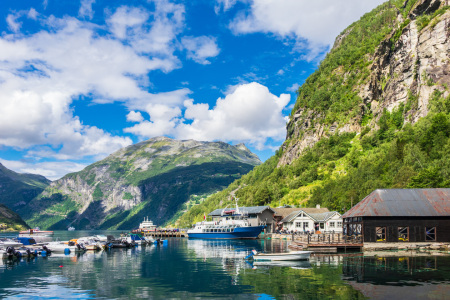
x: 147, y: 225
x: 293, y: 255
x: 36, y: 232
x: 234, y: 225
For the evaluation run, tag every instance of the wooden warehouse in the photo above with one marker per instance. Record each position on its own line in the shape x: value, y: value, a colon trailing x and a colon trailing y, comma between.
x: 401, y: 215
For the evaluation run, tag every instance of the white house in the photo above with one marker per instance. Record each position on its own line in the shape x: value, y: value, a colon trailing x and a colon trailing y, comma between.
x: 302, y: 220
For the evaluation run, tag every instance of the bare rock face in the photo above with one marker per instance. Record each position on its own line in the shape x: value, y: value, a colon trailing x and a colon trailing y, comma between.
x: 417, y: 64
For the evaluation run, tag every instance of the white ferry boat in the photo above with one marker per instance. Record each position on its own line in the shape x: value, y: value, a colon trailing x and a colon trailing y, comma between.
x: 235, y: 226
x: 147, y: 225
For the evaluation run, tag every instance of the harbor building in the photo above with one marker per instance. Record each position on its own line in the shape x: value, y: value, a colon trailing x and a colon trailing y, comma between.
x: 256, y: 215
x: 313, y: 220
x: 401, y: 215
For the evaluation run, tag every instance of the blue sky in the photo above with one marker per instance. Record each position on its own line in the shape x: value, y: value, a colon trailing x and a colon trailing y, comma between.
x: 82, y: 79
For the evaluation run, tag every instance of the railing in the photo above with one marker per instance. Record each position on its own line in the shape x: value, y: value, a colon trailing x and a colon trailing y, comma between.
x: 328, y: 238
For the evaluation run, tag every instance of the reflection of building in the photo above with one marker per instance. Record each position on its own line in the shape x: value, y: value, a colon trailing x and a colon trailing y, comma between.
x: 307, y: 219
x: 401, y: 215
x: 256, y: 215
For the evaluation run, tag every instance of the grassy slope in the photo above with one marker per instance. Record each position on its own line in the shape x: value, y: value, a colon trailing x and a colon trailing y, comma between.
x: 341, y: 170
x: 11, y: 219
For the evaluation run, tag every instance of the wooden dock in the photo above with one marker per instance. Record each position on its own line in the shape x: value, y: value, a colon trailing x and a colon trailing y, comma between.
x: 162, y: 233
x: 326, y: 243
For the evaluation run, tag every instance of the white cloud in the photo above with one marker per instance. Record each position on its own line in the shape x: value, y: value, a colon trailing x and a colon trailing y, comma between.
x: 51, y: 170
x: 224, y: 5
x: 13, y: 25
x: 41, y: 74
x: 32, y: 14
x: 127, y: 18
x: 135, y: 116
x: 249, y: 113
x: 86, y: 9
x: 293, y: 88
x: 313, y: 23
x: 163, y: 121
x: 154, y: 33
x: 200, y: 48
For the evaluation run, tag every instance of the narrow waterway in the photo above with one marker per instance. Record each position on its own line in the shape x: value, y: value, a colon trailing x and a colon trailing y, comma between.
x: 214, y: 269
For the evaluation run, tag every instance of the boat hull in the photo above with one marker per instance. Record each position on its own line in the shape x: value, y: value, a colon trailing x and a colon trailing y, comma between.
x: 250, y: 232
x: 290, y: 256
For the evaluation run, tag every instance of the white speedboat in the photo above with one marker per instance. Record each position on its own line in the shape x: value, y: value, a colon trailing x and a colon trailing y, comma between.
x: 293, y: 255
x: 71, y: 228
x: 7, y: 242
x: 61, y: 247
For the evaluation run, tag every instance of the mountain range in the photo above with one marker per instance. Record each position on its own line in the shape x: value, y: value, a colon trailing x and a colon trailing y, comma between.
x: 158, y: 178
x: 375, y: 114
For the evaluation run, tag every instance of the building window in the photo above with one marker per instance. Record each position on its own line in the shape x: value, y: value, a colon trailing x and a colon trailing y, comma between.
x: 403, y: 234
x: 339, y: 224
x: 381, y: 234
x: 298, y: 224
x: 331, y: 224
x: 322, y: 225
x: 430, y: 234
x: 305, y: 224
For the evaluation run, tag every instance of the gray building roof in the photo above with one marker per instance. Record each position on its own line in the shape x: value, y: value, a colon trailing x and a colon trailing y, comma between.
x: 403, y: 203
x: 318, y: 217
x: 284, y: 212
x: 247, y: 210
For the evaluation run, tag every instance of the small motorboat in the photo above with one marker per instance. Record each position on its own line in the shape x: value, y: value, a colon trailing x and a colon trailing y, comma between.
x: 71, y: 228
x: 293, y: 255
x: 35, y: 232
x: 60, y: 247
x: 10, y: 242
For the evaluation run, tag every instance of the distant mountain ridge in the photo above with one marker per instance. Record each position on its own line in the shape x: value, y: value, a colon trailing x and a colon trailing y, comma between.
x: 154, y: 178
x: 17, y: 190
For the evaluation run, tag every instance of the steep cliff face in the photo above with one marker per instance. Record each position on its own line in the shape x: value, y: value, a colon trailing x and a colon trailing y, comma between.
x: 154, y: 178
x: 375, y: 114
x: 410, y: 62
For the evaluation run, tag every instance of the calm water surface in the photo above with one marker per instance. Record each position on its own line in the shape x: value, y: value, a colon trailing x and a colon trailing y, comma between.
x: 211, y: 269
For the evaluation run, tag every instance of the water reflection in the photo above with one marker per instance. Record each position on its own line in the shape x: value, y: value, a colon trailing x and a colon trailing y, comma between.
x: 217, y: 269
x: 420, y: 276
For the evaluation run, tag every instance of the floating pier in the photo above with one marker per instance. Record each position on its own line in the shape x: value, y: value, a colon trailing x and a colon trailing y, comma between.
x: 161, y: 233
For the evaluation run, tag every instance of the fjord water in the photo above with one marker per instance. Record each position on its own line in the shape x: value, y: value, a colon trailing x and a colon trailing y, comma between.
x: 214, y: 269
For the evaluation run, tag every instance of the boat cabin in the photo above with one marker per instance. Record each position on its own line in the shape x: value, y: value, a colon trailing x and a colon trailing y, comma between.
x: 254, y: 215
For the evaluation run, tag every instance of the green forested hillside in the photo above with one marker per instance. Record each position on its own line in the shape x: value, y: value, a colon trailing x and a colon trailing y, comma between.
x: 400, y: 144
x: 10, y: 221
x: 16, y: 189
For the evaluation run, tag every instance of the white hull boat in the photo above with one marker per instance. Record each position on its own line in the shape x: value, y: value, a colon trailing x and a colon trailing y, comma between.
x: 61, y: 247
x: 293, y: 255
